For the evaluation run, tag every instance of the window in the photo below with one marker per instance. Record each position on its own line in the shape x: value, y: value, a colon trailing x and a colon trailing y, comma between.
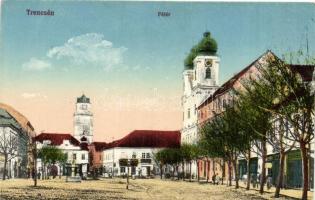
x: 148, y: 155
x: 84, y: 107
x: 195, y: 75
x: 74, y: 156
x: 134, y: 155
x: 195, y: 109
x: 143, y: 155
x: 83, y: 156
x: 188, y: 114
x: 224, y: 103
x: 208, y: 73
x: 122, y: 170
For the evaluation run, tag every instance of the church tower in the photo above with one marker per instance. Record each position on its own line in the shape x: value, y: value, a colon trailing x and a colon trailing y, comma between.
x: 201, y: 79
x: 83, y: 120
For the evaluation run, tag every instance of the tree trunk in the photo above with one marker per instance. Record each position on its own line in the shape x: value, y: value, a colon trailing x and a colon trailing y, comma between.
x: 5, y: 166
x: 161, y: 171
x: 223, y: 171
x: 183, y: 170
x: 198, y: 175
x: 208, y: 169
x: 173, y: 172
x: 280, y: 175
x: 235, y: 163
x: 263, y: 167
x: 189, y: 171
x: 213, y: 167
x: 230, y: 173
x: 248, y: 171
x: 305, y: 170
x: 43, y: 171
x: 35, y: 170
x: 127, y: 186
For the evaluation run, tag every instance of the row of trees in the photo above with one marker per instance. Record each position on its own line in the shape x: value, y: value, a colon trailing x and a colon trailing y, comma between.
x: 275, y: 107
x: 186, y: 154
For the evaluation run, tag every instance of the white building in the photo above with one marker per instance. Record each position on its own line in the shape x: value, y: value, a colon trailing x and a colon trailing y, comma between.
x: 76, y: 146
x: 199, y: 83
x: 141, y: 145
x: 77, y: 153
x: 13, y: 145
x: 83, y: 120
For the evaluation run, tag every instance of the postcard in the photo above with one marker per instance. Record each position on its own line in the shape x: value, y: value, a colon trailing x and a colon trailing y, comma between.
x: 157, y: 100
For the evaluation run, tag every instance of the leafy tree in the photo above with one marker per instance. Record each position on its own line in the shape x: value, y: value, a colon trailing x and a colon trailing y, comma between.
x: 223, y: 138
x: 188, y: 153
x: 293, y: 104
x: 50, y: 155
x: 161, y: 159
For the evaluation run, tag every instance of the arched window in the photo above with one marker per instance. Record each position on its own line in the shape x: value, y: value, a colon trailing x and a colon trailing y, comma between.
x: 208, y: 73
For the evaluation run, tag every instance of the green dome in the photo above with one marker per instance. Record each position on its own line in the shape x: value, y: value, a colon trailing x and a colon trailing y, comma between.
x: 206, y: 46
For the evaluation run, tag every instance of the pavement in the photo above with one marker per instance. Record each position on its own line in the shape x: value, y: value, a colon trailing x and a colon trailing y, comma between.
x: 291, y: 193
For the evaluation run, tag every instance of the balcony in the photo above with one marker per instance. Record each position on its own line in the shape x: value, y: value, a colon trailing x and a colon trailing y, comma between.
x: 146, y: 160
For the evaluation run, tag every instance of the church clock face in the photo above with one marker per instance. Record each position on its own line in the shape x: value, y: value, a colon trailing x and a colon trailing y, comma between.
x: 208, y: 62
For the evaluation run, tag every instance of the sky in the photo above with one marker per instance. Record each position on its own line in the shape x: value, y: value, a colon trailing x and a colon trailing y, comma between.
x: 129, y: 60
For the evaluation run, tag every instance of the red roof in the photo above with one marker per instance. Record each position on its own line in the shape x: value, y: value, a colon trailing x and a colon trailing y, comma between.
x: 148, y: 138
x: 57, y: 138
x: 99, y: 146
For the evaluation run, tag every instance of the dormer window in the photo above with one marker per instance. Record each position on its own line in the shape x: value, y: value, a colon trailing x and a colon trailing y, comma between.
x: 208, y: 73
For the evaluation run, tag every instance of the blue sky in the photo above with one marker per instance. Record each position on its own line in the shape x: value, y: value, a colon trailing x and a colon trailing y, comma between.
x: 128, y: 47
x: 243, y: 32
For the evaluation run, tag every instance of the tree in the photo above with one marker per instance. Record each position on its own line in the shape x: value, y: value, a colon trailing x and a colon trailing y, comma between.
x: 187, y: 151
x: 161, y: 160
x: 223, y: 138
x: 9, y: 143
x: 50, y: 155
x: 295, y: 104
x: 251, y: 100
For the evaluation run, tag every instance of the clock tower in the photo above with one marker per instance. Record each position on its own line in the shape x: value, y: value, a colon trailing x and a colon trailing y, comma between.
x: 83, y: 120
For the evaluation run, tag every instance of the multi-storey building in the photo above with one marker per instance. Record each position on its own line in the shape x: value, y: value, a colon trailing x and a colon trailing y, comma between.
x: 77, y: 153
x: 140, y: 145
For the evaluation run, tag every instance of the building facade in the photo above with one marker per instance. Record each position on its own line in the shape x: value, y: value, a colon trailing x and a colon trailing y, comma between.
x: 77, y: 153
x: 16, y: 133
x: 140, y: 145
x: 199, y: 83
x: 12, y: 146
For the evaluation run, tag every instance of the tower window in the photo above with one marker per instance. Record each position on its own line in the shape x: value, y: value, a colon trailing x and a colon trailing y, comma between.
x: 188, y: 114
x: 208, y: 73
x: 84, y: 107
